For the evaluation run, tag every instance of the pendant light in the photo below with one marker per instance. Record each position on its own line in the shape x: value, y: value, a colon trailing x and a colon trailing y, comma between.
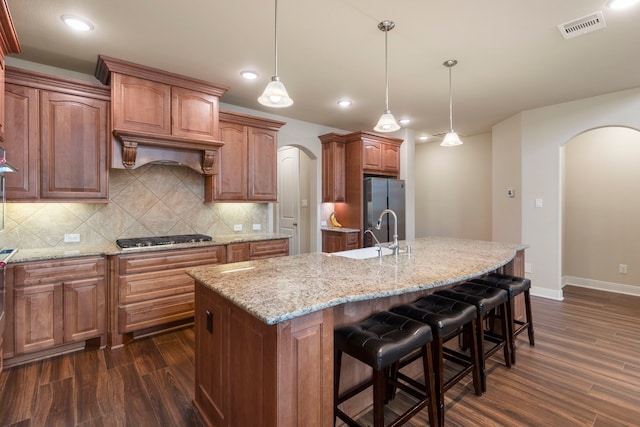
x: 386, y: 123
x: 275, y: 94
x: 451, y: 139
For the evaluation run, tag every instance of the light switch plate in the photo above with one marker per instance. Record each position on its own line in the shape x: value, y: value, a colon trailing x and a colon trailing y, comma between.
x: 538, y: 203
x: 237, y: 227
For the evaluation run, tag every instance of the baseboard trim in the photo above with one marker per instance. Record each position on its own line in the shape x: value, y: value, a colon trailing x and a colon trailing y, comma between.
x: 553, y: 294
x: 600, y: 285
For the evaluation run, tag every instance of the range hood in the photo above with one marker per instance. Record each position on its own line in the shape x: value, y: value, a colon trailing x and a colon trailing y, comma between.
x: 161, y: 117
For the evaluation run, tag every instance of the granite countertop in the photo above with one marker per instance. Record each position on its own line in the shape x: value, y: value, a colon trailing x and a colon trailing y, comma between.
x: 341, y: 229
x: 76, y: 250
x: 277, y: 289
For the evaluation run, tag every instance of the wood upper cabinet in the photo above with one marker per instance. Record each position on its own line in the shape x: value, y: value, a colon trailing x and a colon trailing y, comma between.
x: 59, y: 302
x: 333, y: 168
x: 140, y: 105
x: 73, y: 146
x: 8, y: 44
x: 22, y: 144
x: 148, y: 106
x: 247, y: 161
x: 380, y: 157
x: 57, y: 133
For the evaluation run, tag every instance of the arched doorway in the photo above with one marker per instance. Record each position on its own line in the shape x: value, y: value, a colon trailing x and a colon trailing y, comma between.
x: 601, y: 207
x: 295, y: 197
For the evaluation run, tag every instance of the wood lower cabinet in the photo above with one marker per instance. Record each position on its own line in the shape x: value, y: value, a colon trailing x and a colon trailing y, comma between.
x: 247, y: 160
x: 336, y: 241
x: 57, y: 130
x: 59, y: 302
x: 152, y: 289
x: 285, y: 380
x: 247, y: 251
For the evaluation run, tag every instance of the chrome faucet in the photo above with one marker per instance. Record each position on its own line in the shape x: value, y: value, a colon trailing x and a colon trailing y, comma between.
x: 377, y: 241
x: 395, y: 245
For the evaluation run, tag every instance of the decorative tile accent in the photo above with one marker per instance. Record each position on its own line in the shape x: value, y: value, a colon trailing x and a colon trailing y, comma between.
x: 151, y: 200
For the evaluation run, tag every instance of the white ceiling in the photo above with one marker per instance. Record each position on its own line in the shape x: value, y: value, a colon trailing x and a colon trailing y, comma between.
x: 511, y: 55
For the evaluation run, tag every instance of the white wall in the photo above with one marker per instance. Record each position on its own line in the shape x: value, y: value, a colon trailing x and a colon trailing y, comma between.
x: 453, y: 189
x: 543, y: 132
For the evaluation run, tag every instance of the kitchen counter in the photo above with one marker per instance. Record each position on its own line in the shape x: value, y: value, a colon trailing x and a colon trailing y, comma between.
x: 264, y: 329
x: 341, y: 229
x: 70, y: 251
x: 276, y: 289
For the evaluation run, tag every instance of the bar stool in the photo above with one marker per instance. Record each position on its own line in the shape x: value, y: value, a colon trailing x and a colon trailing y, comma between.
x: 486, y: 299
x: 448, y: 318
x: 380, y: 341
x: 514, y: 287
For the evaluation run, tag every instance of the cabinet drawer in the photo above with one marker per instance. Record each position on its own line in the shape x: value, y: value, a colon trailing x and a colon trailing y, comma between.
x: 142, y: 315
x: 35, y: 273
x: 145, y: 286
x: 169, y: 260
x: 269, y: 249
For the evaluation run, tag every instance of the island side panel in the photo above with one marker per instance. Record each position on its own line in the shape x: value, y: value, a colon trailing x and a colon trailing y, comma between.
x: 251, y: 373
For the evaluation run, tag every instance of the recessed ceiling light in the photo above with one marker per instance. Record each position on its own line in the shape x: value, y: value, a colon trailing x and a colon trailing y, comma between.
x: 345, y: 103
x: 249, y: 75
x: 77, y: 23
x: 423, y: 138
x: 404, y: 121
x: 620, y: 4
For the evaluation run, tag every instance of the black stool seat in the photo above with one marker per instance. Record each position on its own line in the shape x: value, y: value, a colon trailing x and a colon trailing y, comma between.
x: 487, y: 300
x: 448, y: 318
x: 484, y: 298
x: 514, y: 286
x: 380, y: 341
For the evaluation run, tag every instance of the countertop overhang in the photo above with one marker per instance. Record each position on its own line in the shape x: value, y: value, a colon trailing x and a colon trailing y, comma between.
x: 278, y: 289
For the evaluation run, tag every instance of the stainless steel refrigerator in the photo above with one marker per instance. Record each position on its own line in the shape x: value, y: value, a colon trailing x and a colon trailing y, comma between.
x: 381, y: 194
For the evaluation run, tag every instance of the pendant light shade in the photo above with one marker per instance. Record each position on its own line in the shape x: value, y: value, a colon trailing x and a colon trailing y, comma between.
x: 275, y: 94
x: 451, y: 139
x: 386, y: 123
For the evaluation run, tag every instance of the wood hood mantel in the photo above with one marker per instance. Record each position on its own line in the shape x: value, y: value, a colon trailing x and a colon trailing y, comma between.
x: 159, y: 116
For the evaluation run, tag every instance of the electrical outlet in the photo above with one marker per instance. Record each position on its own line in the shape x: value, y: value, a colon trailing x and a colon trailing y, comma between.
x: 622, y: 268
x: 323, y: 223
x: 237, y: 227
x: 71, y: 238
x: 257, y: 227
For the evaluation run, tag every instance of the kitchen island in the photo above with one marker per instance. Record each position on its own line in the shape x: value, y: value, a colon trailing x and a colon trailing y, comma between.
x: 264, y: 329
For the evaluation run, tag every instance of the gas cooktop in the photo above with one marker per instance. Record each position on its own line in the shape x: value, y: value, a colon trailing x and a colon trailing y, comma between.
x: 143, y: 242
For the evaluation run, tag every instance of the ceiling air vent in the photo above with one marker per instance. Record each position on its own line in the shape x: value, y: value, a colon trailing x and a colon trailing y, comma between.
x: 584, y: 25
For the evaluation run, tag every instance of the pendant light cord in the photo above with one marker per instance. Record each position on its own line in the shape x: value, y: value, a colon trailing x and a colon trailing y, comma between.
x: 276, y: 37
x: 386, y: 70
x: 450, y: 104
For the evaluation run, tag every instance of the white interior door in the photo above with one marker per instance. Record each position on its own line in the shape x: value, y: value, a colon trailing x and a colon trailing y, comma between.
x: 289, y: 197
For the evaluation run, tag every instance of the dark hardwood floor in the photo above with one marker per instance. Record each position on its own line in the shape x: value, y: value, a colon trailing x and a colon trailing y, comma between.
x: 583, y: 371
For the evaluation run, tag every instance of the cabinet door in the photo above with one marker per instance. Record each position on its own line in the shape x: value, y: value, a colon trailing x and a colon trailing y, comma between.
x: 332, y: 241
x: 232, y: 158
x: 262, y: 154
x: 39, y: 313
x: 333, y: 172
x: 371, y: 156
x: 390, y: 158
x: 84, y: 309
x: 140, y: 105
x: 73, y: 135
x: 2, y: 122
x: 194, y: 115
x: 21, y: 132
x: 237, y: 252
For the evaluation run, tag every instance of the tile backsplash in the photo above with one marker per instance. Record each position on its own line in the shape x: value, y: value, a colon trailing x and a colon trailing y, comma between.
x: 152, y: 200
